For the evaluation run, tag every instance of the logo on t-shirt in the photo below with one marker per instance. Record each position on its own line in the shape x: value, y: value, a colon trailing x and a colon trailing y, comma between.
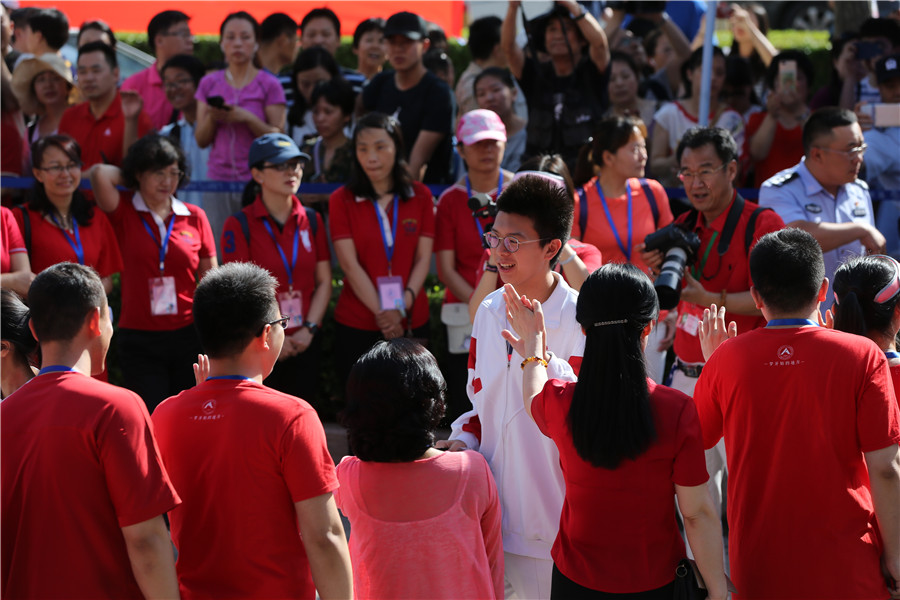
x: 785, y: 353
x: 410, y: 226
x: 209, y: 412
x: 209, y: 407
x: 784, y: 357
x: 108, y: 132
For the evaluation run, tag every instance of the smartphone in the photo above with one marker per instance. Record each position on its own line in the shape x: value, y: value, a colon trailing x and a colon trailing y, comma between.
x: 867, y: 50
x: 886, y: 115
x: 216, y: 101
x: 787, y: 75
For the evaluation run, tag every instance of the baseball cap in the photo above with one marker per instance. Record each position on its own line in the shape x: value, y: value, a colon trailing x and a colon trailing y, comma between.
x: 887, y: 68
x: 480, y: 124
x: 275, y: 148
x: 407, y: 24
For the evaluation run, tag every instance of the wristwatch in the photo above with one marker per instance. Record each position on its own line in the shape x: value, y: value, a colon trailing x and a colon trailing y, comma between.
x: 312, y: 327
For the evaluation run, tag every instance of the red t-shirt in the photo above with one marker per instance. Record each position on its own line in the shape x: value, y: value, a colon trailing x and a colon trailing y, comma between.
x: 49, y: 243
x: 191, y: 240
x: 798, y: 407
x: 263, y: 252
x: 617, y: 531
x: 895, y: 377
x: 786, y: 150
x: 456, y: 229
x: 355, y: 218
x: 600, y: 234
x: 11, y: 241
x: 101, y: 137
x: 730, y: 272
x: 241, y: 455
x: 15, y: 147
x: 79, y: 462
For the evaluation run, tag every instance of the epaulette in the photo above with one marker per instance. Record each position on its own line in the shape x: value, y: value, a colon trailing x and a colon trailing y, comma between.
x: 783, y: 178
x: 861, y: 183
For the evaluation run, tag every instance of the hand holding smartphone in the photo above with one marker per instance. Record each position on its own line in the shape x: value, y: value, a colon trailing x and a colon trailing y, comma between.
x: 217, y: 102
x: 787, y: 75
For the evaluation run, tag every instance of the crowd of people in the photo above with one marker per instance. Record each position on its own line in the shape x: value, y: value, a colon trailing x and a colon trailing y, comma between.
x: 560, y: 252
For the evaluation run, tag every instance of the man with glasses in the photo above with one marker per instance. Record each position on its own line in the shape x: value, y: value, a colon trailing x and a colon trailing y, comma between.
x: 727, y: 226
x: 169, y: 35
x: 822, y: 195
x: 250, y: 463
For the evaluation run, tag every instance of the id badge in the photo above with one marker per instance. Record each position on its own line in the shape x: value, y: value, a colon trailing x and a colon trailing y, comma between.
x: 390, y: 292
x: 291, y: 304
x: 689, y: 322
x: 163, y: 299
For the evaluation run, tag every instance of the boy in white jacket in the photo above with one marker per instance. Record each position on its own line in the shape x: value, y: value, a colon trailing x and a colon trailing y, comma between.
x: 533, y: 222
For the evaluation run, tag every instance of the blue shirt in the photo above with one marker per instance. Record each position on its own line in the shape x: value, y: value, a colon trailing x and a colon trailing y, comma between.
x: 883, y: 173
x: 797, y: 196
x: 195, y: 156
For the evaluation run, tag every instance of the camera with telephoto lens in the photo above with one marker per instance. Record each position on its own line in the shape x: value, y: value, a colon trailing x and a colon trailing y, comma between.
x: 483, y: 206
x: 680, y: 247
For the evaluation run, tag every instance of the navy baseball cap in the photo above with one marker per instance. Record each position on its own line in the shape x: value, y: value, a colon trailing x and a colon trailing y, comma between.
x: 887, y: 68
x: 275, y: 148
x: 407, y: 24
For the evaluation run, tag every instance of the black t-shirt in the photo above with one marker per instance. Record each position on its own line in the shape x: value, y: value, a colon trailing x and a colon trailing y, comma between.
x: 426, y: 106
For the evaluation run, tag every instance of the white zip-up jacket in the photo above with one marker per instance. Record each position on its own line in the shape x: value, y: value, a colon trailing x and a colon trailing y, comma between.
x: 524, y: 462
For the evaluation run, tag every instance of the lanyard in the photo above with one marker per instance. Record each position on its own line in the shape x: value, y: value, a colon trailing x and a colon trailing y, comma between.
x: 76, y: 243
x: 288, y: 267
x: 388, y: 249
x: 891, y: 354
x: 626, y: 250
x: 165, y: 243
x: 317, y: 162
x: 234, y: 377
x: 791, y: 323
x: 469, y: 194
x: 698, y: 273
x: 56, y: 369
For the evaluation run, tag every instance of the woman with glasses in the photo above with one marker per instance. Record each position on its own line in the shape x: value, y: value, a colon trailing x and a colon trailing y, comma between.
x: 168, y: 246
x: 277, y: 233
x: 59, y: 223
x: 382, y: 226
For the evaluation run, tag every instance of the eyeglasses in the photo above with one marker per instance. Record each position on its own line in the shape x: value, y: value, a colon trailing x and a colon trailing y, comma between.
x: 283, y: 321
x: 59, y: 169
x: 285, y: 167
x: 178, y: 83
x: 704, y: 174
x: 162, y: 175
x: 182, y: 33
x: 850, y: 154
x: 509, y: 242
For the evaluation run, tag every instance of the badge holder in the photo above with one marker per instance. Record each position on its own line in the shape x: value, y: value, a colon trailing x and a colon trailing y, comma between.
x: 163, y: 298
x: 291, y: 304
x: 390, y: 293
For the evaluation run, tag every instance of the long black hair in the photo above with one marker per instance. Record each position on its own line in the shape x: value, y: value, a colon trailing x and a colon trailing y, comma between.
x: 611, y: 418
x: 81, y: 210
x: 15, y: 316
x: 856, y: 282
x: 359, y: 182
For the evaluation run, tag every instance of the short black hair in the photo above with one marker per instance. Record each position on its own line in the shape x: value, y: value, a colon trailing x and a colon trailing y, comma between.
x: 20, y: 16
x: 322, y: 13
x: 359, y: 183
x: 787, y: 269
x: 436, y: 61
x: 549, y: 207
x: 108, y: 53
x: 611, y: 134
x: 821, y: 123
x: 61, y: 297
x: 97, y: 25
x: 395, y: 400
x: 804, y: 65
x: 161, y: 22
x: 435, y: 34
x: 232, y: 304
x: 693, y: 62
x: 81, y: 209
x: 720, y: 139
x: 336, y: 92
x: 856, y: 283
x: 500, y: 73
x: 880, y: 27
x: 52, y: 24
x: 244, y: 16
x: 484, y: 35
x: 308, y: 59
x: 150, y: 153
x: 186, y: 62
x: 372, y: 24
x: 14, y: 316
x: 275, y: 25
x: 551, y: 163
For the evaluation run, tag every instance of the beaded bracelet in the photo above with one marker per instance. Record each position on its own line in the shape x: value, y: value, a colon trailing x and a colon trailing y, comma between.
x: 532, y: 359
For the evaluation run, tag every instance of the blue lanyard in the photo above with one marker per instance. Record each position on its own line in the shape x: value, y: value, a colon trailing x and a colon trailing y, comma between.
x: 76, y: 243
x: 165, y: 242
x: 791, y: 323
x: 56, y: 369
x: 469, y: 195
x: 234, y: 377
x: 388, y: 249
x: 626, y: 250
x: 288, y: 267
x: 891, y: 354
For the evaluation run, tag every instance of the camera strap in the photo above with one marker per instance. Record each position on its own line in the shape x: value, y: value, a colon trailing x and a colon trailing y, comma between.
x: 469, y: 195
x: 731, y: 221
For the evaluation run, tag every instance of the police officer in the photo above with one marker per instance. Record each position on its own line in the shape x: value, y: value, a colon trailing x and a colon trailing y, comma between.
x: 822, y: 194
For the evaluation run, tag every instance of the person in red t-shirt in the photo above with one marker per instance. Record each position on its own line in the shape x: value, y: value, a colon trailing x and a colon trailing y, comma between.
x: 62, y: 225
x: 168, y: 246
x: 258, y: 518
x: 82, y: 483
x: 277, y: 233
x: 382, y: 226
x: 617, y: 209
x: 15, y: 268
x: 625, y: 446
x: 867, y: 302
x: 811, y: 426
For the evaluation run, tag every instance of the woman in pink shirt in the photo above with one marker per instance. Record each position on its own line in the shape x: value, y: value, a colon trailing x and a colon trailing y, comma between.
x: 425, y: 523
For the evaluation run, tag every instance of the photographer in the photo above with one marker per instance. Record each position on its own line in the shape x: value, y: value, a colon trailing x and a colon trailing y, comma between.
x: 718, y: 270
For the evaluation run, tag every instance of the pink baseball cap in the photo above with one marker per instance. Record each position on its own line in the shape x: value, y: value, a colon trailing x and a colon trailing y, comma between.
x: 480, y: 124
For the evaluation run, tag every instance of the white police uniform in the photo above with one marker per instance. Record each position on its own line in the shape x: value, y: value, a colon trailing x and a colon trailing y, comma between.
x: 798, y: 196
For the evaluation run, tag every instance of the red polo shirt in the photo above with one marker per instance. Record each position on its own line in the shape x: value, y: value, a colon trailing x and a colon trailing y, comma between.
x: 355, y: 218
x: 191, y: 240
x: 100, y: 137
x: 730, y: 272
x: 11, y: 241
x: 262, y: 251
x: 150, y: 86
